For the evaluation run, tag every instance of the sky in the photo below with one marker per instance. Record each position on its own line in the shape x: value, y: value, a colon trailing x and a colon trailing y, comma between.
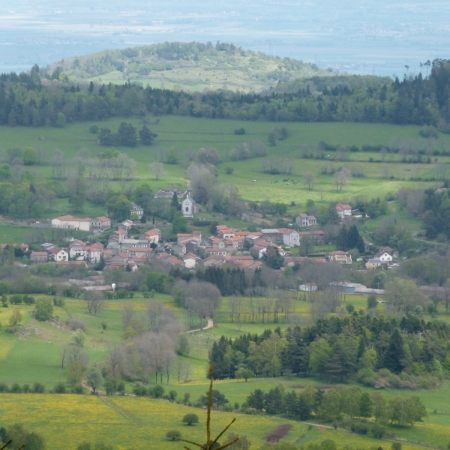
x: 378, y: 37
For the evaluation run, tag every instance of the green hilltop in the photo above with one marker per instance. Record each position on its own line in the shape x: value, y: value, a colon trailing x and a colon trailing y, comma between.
x: 190, y: 66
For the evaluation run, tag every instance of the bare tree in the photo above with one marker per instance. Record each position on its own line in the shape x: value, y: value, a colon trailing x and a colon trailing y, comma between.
x: 95, y: 301
x: 157, y: 169
x: 342, y: 178
x: 310, y: 180
x: 201, y: 299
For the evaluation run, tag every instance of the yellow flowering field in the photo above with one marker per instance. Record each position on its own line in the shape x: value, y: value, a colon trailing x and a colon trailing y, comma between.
x: 141, y: 423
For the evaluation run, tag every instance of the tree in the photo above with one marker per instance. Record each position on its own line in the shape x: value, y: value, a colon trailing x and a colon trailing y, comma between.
x: 372, y: 302
x: 77, y: 364
x: 127, y: 135
x: 44, y: 309
x: 310, y: 180
x: 157, y: 169
x: 273, y: 258
x: 341, y: 178
x: 190, y: 419
x: 76, y: 187
x: 15, y: 318
x: 21, y: 437
x: 256, y: 400
x: 146, y: 136
x: 395, y: 353
x: 244, y: 373
x: 94, y: 378
x: 95, y: 301
x: 173, y: 435
x: 119, y: 207
x: 306, y: 245
x: 60, y: 120
x: 365, y: 405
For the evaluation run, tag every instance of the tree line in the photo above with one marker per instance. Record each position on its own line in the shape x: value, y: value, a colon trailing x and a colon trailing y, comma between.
x: 29, y: 100
x: 376, y: 351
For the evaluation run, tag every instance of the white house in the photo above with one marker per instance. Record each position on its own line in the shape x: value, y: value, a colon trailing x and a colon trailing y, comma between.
x: 189, y: 207
x: 189, y: 260
x: 343, y: 210
x: 77, y: 250
x: 101, y: 223
x: 94, y: 252
x: 291, y: 238
x: 58, y: 254
x: 383, y: 256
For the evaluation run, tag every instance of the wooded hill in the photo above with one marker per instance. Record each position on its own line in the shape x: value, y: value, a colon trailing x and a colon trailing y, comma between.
x: 190, y: 66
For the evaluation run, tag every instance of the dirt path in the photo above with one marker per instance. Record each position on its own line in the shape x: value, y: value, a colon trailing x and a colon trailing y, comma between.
x: 208, y: 327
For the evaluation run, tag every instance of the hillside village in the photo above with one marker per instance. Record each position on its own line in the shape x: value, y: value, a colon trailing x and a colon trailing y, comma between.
x: 130, y: 245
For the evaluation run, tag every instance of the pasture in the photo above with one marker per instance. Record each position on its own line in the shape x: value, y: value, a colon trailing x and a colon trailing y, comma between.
x: 190, y: 134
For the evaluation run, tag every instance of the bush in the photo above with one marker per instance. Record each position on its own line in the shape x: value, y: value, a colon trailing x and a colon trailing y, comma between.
x: 190, y: 419
x: 77, y: 389
x: 60, y: 388
x: 372, y: 302
x: 378, y: 430
x: 359, y: 428
x: 26, y: 388
x: 28, y: 300
x: 139, y: 390
x: 173, y: 395
x: 173, y: 434
x: 44, y: 309
x: 38, y: 388
x: 76, y: 324
x: 157, y: 391
x: 4, y: 387
x: 15, y: 299
x: 239, y: 131
x: 93, y: 129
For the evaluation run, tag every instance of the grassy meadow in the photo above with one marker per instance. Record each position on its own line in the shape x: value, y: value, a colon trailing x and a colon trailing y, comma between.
x: 187, y: 134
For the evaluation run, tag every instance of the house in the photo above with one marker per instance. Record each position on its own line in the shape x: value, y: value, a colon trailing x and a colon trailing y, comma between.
x: 136, y: 210
x: 118, y: 236
x: 179, y: 249
x: 340, y: 257
x: 58, y: 254
x: 317, y: 235
x: 38, y: 257
x: 373, y: 264
x: 303, y: 220
x: 101, y: 223
x: 152, y: 236
x: 224, y: 232
x: 73, y: 223
x: 188, y: 206
x: 126, y: 225
x: 94, y: 252
x: 383, y: 256
x: 190, y: 260
x: 343, y: 210
x: 77, y: 250
x: 291, y: 238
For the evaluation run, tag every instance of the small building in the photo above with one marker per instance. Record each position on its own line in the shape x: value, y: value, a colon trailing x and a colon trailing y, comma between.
x: 152, y: 236
x: 39, y: 257
x: 74, y: 223
x: 308, y: 287
x: 101, y: 223
x: 373, y: 264
x: 190, y: 260
x: 303, y: 220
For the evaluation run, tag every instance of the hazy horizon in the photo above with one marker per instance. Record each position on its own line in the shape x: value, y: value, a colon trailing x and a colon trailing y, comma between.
x: 363, y: 37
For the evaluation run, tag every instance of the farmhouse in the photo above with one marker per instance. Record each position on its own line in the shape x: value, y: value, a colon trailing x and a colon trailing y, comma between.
x: 343, y: 210
x: 291, y: 238
x: 340, y: 257
x: 38, y: 257
x: 137, y: 210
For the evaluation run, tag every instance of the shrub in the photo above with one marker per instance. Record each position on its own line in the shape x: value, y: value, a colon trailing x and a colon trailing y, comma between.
x: 44, y: 309
x: 77, y: 389
x: 359, y: 428
x: 239, y: 131
x: 139, y: 389
x: 16, y: 389
x: 28, y: 300
x: 173, y: 434
x: 157, y: 391
x: 76, y: 324
x: 173, y: 395
x: 26, y: 388
x: 378, y: 430
x: 38, y: 388
x: 190, y: 419
x: 15, y: 299
x: 60, y: 388
x: 4, y: 387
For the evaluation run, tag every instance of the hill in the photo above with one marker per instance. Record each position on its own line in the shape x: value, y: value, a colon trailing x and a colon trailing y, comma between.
x: 190, y: 66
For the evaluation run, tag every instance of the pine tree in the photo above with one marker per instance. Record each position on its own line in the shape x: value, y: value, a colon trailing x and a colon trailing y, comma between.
x: 393, y: 358
x: 342, y: 239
